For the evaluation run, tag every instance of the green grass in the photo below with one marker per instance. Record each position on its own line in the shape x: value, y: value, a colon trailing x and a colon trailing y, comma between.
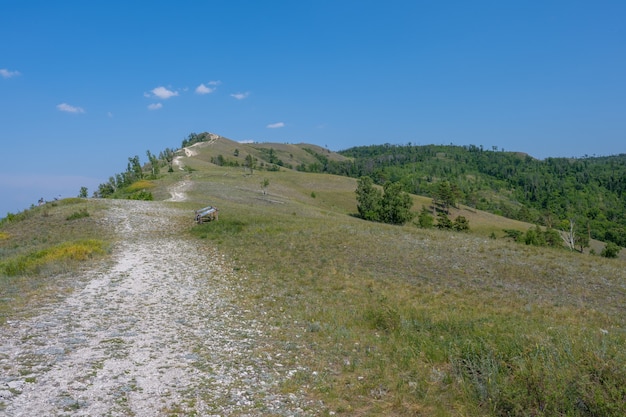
x: 402, y: 321
x: 41, y: 245
x: 392, y: 320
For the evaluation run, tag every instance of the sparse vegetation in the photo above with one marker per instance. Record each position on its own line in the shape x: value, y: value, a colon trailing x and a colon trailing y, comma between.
x: 398, y: 320
x: 80, y: 214
x: 40, y: 245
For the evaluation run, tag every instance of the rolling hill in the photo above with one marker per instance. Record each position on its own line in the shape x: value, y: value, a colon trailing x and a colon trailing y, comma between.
x: 369, y: 318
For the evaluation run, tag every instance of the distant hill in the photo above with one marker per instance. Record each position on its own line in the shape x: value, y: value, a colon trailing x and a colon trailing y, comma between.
x: 226, y: 152
x: 586, y: 193
x: 590, y: 191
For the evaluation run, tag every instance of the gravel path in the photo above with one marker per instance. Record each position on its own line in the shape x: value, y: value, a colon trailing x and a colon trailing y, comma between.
x: 156, y: 332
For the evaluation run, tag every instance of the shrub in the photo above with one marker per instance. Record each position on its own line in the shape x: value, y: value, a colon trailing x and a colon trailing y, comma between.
x: 611, y: 250
x: 443, y: 221
x: 141, y: 195
x: 461, y: 224
x: 78, y: 215
x: 425, y: 219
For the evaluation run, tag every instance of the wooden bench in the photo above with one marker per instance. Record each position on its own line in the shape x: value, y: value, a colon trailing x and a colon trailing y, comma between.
x: 206, y: 214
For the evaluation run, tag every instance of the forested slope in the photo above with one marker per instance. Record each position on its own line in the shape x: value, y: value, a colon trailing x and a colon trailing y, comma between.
x: 590, y: 192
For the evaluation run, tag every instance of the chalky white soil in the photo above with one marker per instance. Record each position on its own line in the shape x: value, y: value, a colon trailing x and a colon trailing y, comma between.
x: 156, y: 332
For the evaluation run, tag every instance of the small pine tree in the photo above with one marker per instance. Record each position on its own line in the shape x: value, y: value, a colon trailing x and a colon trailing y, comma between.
x: 461, y: 224
x: 425, y: 219
x: 443, y: 221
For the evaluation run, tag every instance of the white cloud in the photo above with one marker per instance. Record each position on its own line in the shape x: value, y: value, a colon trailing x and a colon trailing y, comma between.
x: 203, y: 89
x: 275, y: 125
x: 217, y: 82
x: 70, y: 109
x: 162, y: 93
x: 5, y: 73
x: 240, y: 96
x: 155, y: 106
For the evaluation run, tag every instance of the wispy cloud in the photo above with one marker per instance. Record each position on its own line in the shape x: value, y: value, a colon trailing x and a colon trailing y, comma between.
x: 5, y: 73
x: 155, y: 106
x: 275, y: 125
x: 162, y: 93
x: 216, y: 83
x: 203, y: 89
x: 69, y: 109
x: 240, y: 96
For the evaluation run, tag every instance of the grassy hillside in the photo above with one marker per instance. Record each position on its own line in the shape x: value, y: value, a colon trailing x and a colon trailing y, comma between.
x: 397, y: 320
x: 40, y: 247
x: 403, y: 321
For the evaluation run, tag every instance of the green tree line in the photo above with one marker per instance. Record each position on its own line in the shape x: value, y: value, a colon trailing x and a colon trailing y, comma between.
x: 589, y: 192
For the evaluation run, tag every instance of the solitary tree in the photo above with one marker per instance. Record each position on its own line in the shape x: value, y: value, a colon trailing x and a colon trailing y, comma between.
x: 249, y: 162
x: 154, y: 163
x: 83, y: 192
x: 264, y: 184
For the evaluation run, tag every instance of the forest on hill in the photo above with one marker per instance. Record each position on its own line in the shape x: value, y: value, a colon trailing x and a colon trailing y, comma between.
x: 587, y: 193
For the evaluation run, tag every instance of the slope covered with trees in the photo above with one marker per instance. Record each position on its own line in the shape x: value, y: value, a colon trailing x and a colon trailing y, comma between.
x: 587, y: 193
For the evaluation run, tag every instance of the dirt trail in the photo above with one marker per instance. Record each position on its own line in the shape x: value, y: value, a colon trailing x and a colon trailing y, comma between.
x: 179, y: 190
x: 156, y: 332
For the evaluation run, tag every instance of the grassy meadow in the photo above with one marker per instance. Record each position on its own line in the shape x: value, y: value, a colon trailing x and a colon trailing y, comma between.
x: 386, y: 320
x: 401, y: 321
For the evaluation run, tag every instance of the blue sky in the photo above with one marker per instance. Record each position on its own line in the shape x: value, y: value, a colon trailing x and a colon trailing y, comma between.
x: 86, y: 84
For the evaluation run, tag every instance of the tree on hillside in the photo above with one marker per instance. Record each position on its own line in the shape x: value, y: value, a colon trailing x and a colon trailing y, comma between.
x: 83, y: 192
x: 574, y: 237
x: 446, y: 195
x: 154, y: 164
x: 264, y: 184
x: 461, y: 224
x: 249, y: 163
x: 368, y: 199
x: 425, y: 219
x: 393, y: 206
x: 134, y: 168
x: 443, y: 221
x: 396, y: 204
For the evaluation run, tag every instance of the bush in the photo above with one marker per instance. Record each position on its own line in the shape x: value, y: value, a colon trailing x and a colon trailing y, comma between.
x: 461, y: 224
x: 443, y: 221
x: 611, y: 250
x: 425, y: 219
x: 78, y: 215
x: 141, y: 195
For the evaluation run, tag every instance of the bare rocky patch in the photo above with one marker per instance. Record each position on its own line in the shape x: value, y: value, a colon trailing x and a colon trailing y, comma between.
x: 156, y: 332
